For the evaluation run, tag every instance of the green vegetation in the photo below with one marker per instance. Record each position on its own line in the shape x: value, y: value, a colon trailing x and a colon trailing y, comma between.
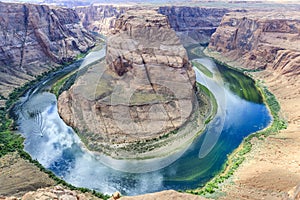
x: 196, y: 50
x: 81, y: 55
x: 12, y: 142
x: 203, y: 69
x: 9, y: 141
x: 239, y: 83
x: 2, y: 97
x: 148, y: 144
x: 63, y: 84
x: 142, y: 97
x: 212, y: 100
x: 59, y: 181
x: 238, y: 156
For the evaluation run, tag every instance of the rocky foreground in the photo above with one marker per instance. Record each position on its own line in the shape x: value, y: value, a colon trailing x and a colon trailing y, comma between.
x: 144, y: 92
x: 61, y: 193
x: 268, y: 42
x: 34, y: 39
x: 54, y: 192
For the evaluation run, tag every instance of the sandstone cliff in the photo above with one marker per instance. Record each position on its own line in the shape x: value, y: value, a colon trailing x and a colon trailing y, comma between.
x: 144, y: 92
x: 260, y: 40
x: 193, y: 24
x: 100, y: 18
x: 36, y: 38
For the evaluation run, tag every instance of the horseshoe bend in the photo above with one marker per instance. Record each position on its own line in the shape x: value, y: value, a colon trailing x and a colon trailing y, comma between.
x: 142, y: 98
x: 100, y: 101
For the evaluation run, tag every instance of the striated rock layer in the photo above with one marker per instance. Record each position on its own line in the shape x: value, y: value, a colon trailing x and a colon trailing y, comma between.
x: 193, y: 24
x: 260, y: 40
x: 100, y: 18
x: 145, y: 91
x: 34, y: 39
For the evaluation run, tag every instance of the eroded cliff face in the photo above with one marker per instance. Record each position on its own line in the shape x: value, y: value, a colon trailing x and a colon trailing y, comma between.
x: 36, y: 38
x: 101, y: 18
x: 193, y: 24
x: 260, y: 40
x: 144, y: 91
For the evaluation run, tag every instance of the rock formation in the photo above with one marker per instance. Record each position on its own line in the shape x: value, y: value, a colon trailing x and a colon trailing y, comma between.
x: 166, y: 195
x: 56, y: 192
x: 62, y: 193
x: 260, y: 40
x: 145, y: 91
x: 100, y: 18
x: 36, y: 38
x: 193, y: 24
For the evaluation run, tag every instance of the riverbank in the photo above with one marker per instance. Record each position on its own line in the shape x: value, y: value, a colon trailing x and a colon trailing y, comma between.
x: 14, y: 160
x: 266, y: 165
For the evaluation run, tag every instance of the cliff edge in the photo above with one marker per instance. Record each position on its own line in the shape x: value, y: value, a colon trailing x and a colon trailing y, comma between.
x: 35, y: 39
x: 260, y: 40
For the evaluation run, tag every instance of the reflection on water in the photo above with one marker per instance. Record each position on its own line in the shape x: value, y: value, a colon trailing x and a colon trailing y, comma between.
x: 59, y: 149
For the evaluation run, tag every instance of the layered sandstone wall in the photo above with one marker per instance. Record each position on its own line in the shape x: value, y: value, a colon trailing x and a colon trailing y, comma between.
x: 260, y: 40
x: 34, y: 39
x: 101, y: 18
x: 193, y: 24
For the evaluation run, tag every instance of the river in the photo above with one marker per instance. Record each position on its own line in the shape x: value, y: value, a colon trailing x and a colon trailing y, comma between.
x: 55, y: 145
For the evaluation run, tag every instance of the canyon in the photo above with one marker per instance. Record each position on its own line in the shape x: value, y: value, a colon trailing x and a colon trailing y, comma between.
x: 35, y: 39
x: 265, y: 43
x: 100, y: 19
x: 192, y: 24
x: 260, y: 40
